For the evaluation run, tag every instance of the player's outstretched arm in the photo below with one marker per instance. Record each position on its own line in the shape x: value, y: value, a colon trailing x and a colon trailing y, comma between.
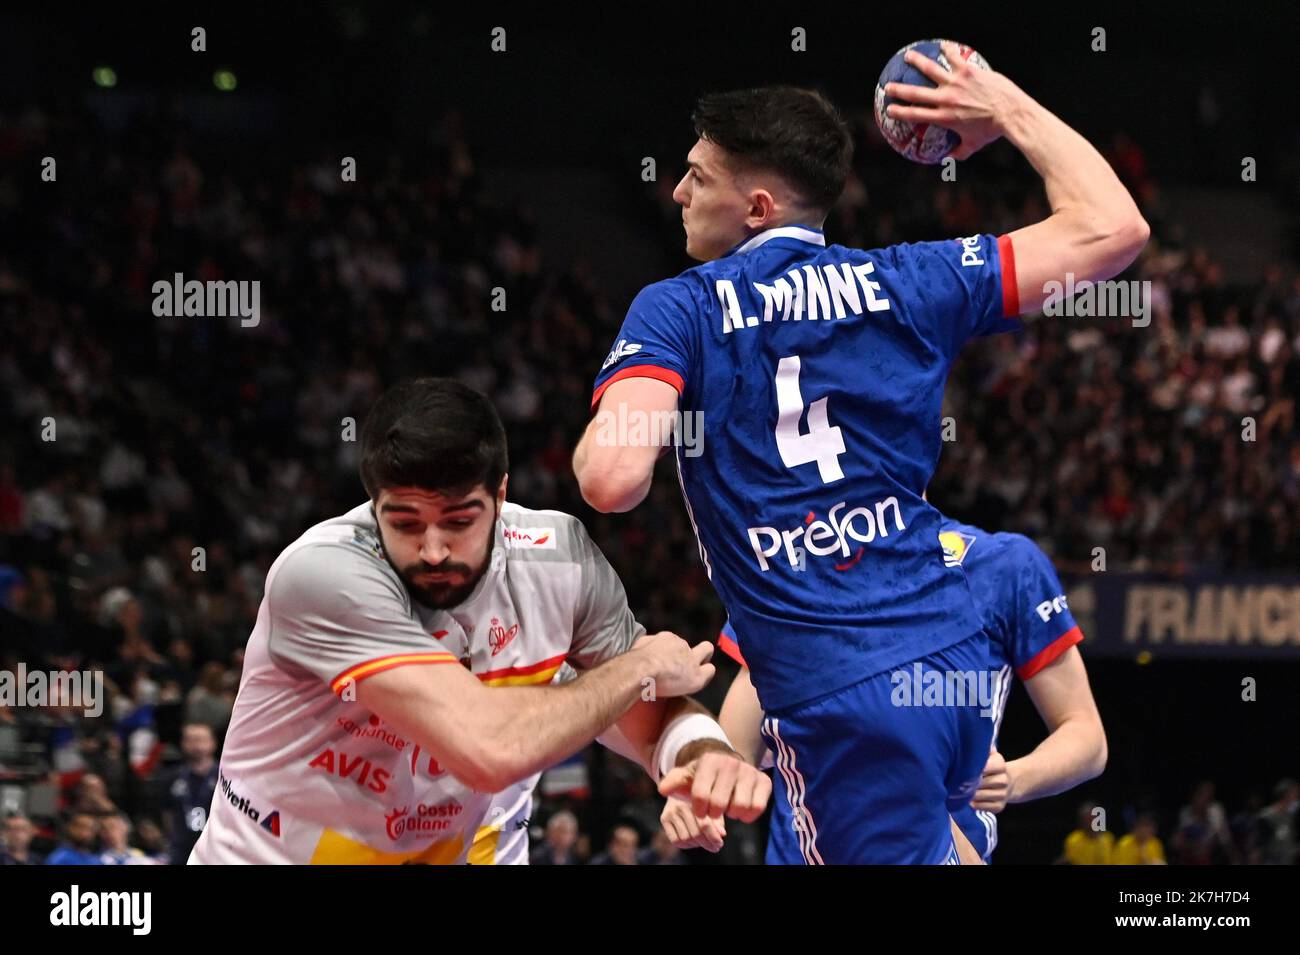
x: 1095, y: 230
x: 1074, y: 750
x: 741, y: 719
x: 682, y: 747
x: 491, y: 737
x: 613, y: 464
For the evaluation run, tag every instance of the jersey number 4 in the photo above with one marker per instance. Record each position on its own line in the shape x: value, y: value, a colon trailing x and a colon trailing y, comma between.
x: 821, y: 442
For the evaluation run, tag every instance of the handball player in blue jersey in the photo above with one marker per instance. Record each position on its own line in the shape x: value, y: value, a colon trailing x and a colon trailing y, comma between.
x: 816, y: 373
x: 1032, y: 636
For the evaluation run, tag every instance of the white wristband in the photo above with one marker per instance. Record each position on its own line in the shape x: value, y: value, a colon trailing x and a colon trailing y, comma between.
x: 686, y: 728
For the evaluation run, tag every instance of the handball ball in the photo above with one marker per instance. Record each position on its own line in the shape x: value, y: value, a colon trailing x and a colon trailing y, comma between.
x: 919, y: 142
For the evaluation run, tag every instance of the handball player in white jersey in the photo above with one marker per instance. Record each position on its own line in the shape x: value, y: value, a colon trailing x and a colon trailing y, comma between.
x: 403, y: 685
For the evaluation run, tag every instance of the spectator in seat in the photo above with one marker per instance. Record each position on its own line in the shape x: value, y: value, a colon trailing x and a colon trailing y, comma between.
x: 209, y: 702
x: 16, y: 849
x: 560, y: 843
x: 1141, y: 846
x: 1202, y: 837
x: 115, y: 834
x: 1088, y: 845
x: 91, y: 796
x: 661, y: 851
x: 621, y: 848
x: 80, y: 834
x: 149, y: 836
x: 1275, y: 827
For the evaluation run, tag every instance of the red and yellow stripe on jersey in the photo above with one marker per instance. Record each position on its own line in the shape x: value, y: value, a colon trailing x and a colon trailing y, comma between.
x: 532, y: 674
x: 357, y: 673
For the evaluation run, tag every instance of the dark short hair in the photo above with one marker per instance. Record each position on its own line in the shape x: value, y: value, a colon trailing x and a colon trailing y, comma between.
x: 433, y: 433
x: 796, y: 133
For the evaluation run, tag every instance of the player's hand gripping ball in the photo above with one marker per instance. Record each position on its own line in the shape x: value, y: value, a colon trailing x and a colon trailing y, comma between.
x: 919, y: 142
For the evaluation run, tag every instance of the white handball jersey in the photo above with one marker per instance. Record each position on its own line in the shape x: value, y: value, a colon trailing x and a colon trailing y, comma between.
x: 309, y: 776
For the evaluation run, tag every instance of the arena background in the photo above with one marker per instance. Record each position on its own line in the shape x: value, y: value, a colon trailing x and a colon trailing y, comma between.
x: 523, y: 170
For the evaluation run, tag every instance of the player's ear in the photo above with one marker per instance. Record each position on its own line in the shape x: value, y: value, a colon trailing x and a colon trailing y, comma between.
x: 501, y: 491
x: 762, y: 208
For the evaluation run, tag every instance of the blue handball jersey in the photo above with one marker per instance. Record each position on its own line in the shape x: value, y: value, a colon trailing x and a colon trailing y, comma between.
x: 814, y: 376
x: 1028, y: 622
x: 1018, y: 595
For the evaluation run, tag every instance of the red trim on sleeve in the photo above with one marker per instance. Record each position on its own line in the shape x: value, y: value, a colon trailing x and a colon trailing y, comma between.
x: 640, y: 371
x: 1050, y: 652
x: 1010, y: 291
x: 359, y: 671
x: 732, y: 649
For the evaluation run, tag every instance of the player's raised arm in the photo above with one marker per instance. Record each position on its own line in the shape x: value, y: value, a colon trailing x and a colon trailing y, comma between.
x: 1095, y: 230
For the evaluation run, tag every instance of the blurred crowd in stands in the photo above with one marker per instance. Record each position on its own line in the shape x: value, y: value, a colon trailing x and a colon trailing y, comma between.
x: 151, y: 468
x: 1204, y: 834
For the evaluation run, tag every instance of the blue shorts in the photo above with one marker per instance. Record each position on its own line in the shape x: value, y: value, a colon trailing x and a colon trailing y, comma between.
x: 868, y: 775
x: 980, y: 827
